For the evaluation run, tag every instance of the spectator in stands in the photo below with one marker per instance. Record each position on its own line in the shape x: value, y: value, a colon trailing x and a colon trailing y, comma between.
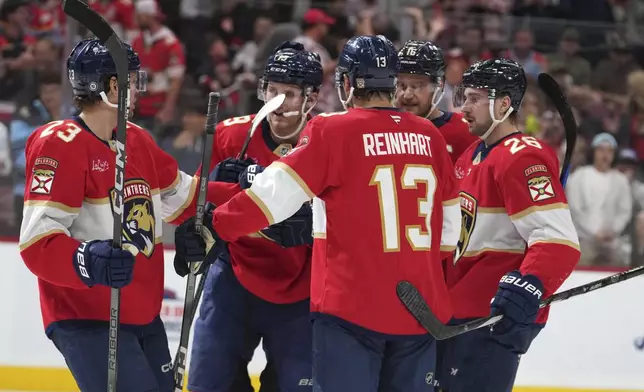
x: 610, y: 118
x: 315, y: 27
x: 611, y: 74
x: 627, y: 164
x: 635, y: 84
x: 119, y: 14
x: 163, y: 59
x: 15, y: 46
x: 637, y: 250
x: 186, y: 146
x: 244, y: 60
x: 25, y: 120
x: 600, y: 202
x: 523, y: 52
x: 568, y: 58
x: 47, y: 57
x: 470, y: 46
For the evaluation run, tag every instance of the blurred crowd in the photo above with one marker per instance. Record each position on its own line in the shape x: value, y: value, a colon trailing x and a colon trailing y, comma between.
x: 191, y: 47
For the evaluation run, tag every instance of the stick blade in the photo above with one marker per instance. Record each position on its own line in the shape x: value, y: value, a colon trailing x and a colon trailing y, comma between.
x: 416, y: 305
x: 81, y: 11
x: 554, y: 92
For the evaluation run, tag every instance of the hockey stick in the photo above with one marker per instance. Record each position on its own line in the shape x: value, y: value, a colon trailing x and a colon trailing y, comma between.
x: 556, y: 95
x: 81, y: 12
x: 268, y: 108
x: 410, y: 296
x: 412, y: 299
x: 191, y: 301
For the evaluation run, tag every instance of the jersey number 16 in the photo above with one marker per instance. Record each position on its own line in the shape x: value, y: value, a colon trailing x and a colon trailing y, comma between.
x: 419, y: 238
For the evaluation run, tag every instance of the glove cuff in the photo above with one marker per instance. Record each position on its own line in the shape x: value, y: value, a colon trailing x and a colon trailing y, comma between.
x: 529, y: 286
x: 82, y: 260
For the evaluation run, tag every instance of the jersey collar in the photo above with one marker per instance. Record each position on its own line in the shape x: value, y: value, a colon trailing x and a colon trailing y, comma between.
x: 442, y: 119
x: 482, y: 151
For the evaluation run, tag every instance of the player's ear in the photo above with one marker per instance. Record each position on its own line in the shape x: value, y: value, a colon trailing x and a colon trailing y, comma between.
x: 114, y: 88
x: 312, y: 101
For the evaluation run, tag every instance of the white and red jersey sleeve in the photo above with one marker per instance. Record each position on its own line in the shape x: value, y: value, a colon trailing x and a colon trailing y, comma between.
x: 450, y: 199
x: 55, y: 188
x: 281, y: 189
x: 536, y: 204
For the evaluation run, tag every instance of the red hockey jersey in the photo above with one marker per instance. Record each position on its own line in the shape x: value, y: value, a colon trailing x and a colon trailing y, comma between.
x: 264, y: 268
x: 514, y: 216
x: 386, y: 205
x: 70, y: 179
x: 456, y: 132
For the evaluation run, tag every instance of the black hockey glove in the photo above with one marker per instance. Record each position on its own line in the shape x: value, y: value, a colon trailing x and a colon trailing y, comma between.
x: 294, y: 231
x: 517, y: 299
x: 248, y: 176
x: 98, y: 262
x: 196, y: 252
x: 229, y: 170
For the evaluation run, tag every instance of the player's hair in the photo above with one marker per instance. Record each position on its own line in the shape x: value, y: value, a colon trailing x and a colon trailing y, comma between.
x: 85, y: 102
x: 367, y: 95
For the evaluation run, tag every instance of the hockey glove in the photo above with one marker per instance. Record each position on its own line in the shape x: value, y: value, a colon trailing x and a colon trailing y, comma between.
x: 294, y: 231
x: 229, y: 170
x: 517, y: 299
x: 192, y: 249
x: 98, y: 262
x: 248, y: 176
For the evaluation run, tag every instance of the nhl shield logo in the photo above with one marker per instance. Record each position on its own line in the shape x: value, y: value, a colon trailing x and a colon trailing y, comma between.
x: 468, y: 220
x: 138, y: 215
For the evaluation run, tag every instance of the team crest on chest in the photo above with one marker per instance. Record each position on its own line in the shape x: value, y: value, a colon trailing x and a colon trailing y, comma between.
x: 138, y: 215
x: 541, y: 188
x: 43, y: 175
x: 469, y: 206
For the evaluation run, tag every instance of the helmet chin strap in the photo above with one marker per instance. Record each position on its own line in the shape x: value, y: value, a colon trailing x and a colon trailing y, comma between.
x: 345, y: 103
x: 495, y: 122
x: 114, y: 105
x: 303, y: 112
x: 436, y: 98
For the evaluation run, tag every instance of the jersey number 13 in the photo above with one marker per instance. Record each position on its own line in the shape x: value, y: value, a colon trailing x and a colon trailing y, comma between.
x: 419, y: 237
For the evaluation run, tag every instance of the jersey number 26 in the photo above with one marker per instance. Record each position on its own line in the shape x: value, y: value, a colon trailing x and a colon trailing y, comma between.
x: 384, y: 179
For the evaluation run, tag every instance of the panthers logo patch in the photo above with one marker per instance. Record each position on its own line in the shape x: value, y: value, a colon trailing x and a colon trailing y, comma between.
x: 138, y: 212
x: 469, y: 206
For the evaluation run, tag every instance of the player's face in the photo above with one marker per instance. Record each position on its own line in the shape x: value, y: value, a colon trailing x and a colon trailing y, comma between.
x: 604, y: 155
x: 414, y: 93
x: 476, y: 110
x: 287, y: 117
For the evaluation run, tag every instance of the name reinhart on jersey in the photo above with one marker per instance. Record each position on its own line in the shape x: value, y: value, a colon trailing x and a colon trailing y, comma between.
x: 396, y: 143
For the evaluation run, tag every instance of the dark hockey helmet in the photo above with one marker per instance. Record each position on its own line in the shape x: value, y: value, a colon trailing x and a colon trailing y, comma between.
x: 422, y: 58
x: 500, y: 77
x: 370, y: 63
x: 291, y: 64
x: 90, y: 65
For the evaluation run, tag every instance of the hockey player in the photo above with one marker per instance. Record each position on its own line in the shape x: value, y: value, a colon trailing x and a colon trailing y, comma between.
x: 421, y: 85
x: 261, y: 288
x: 518, y: 243
x: 384, y: 207
x: 65, y: 238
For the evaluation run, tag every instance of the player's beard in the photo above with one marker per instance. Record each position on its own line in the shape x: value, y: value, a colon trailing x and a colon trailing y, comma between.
x: 415, y: 107
x: 283, y: 126
x: 479, y: 128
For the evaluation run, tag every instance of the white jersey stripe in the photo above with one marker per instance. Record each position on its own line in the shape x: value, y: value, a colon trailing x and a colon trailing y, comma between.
x: 177, y: 197
x: 279, y: 202
x: 451, y: 225
x: 552, y: 224
x: 319, y: 218
x: 494, y: 232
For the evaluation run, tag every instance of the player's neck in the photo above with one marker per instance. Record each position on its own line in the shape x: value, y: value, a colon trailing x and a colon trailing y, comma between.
x: 502, y: 130
x: 434, y: 114
x: 100, y: 121
x: 372, y: 103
